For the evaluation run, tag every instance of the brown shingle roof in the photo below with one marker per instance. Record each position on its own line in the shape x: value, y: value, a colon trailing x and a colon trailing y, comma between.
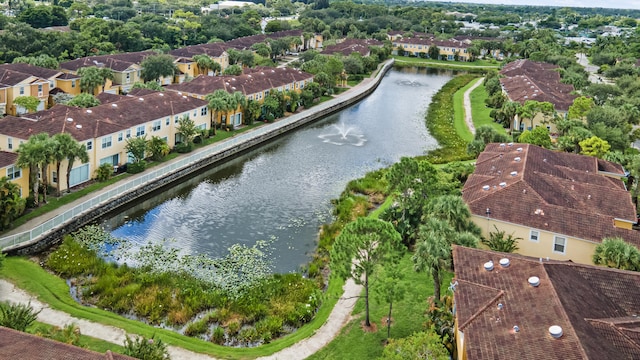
x: 11, y: 77
x: 18, y: 345
x: 553, y: 191
x: 529, y: 80
x: 349, y: 46
x: 36, y: 71
x: 259, y: 79
x: 116, y: 62
x: 596, y: 308
x: 7, y: 158
x: 212, y: 49
x: 87, y: 124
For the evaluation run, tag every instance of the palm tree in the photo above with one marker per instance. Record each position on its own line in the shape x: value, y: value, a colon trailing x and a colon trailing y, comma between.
x: 31, y: 154
x: 77, y: 151
x: 617, y: 253
x: 218, y: 102
x: 91, y: 77
x: 204, y: 63
x: 433, y: 251
x: 237, y: 99
x: 48, y: 149
x: 64, y: 145
x: 11, y: 203
x: 453, y: 210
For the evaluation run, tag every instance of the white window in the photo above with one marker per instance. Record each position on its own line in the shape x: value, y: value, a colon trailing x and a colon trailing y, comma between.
x: 54, y: 177
x: 89, y: 145
x: 13, y: 172
x: 140, y: 131
x: 39, y: 89
x: 168, y: 121
x: 79, y: 175
x: 21, y: 90
x: 128, y: 133
x: 559, y: 244
x: 106, y: 142
x: 128, y: 78
x: 175, y: 119
x: 250, y: 97
x: 203, y: 111
x: 120, y: 136
x: 157, y: 125
x: 73, y: 83
x: 9, y: 143
x: 195, y: 113
x: 534, y: 235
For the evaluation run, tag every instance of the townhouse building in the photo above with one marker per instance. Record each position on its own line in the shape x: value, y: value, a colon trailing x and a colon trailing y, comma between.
x: 525, y: 80
x: 348, y: 46
x: 561, y: 205
x: 255, y: 84
x: 189, y: 68
x: 24, y: 80
x: 104, y: 129
x: 451, y: 50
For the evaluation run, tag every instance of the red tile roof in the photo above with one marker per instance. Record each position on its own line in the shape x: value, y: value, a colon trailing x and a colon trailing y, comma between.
x: 596, y: 307
x: 101, y: 120
x: 18, y: 345
x: 553, y: 191
x: 529, y: 80
x: 7, y: 158
x: 260, y: 79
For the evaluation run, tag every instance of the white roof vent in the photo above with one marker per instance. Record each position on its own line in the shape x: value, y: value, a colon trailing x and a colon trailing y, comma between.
x: 514, y: 173
x: 184, y: 96
x: 141, y: 99
x: 516, y: 159
x: 503, y: 184
x: 114, y: 105
x: 179, y: 92
x: 510, y: 144
x: 504, y: 262
x: 89, y: 111
x: 486, y: 188
x: 78, y: 126
x: 488, y: 265
x: 534, y: 281
x: 160, y: 94
x: 516, y: 328
x: 555, y: 331
x: 69, y: 119
x: 519, y: 149
x: 503, y: 145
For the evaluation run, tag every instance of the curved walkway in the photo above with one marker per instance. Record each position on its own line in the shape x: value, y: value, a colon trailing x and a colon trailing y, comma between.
x: 468, y: 116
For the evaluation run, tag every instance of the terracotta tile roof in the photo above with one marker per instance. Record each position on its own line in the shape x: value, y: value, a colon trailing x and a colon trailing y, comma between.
x: 18, y: 345
x: 116, y: 62
x: 36, y: 71
x: 212, y: 49
x: 259, y: 79
x: 596, y: 307
x: 106, y: 98
x: 105, y: 119
x: 529, y: 80
x: 428, y: 41
x: 244, y: 43
x: 553, y: 191
x: 349, y: 46
x: 7, y: 158
x: 12, y: 77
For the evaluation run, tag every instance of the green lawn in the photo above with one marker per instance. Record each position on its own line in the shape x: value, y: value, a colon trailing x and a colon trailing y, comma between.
x: 54, y: 291
x: 480, y: 111
x: 407, y: 315
x: 458, y: 109
x: 86, y: 342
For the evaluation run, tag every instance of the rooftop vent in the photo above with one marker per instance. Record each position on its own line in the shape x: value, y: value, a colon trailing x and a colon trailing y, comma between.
x: 78, y: 126
x: 510, y: 144
x: 504, y: 262
x: 184, y: 96
x: 555, y: 331
x: 500, y: 306
x: 160, y: 94
x: 141, y: 99
x: 503, y: 145
x: 69, y: 119
x: 516, y: 159
x: 516, y: 328
x: 488, y: 265
x: 179, y: 92
x: 89, y: 111
x: 514, y: 173
x: 519, y: 149
x: 534, y: 281
x: 486, y: 188
x: 503, y: 184
x: 114, y: 105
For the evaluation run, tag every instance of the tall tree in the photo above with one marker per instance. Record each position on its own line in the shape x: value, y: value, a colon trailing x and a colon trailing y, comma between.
x: 204, y: 63
x: 390, y: 288
x: 361, y: 246
x: 64, y: 144
x: 187, y: 128
x: 75, y: 151
x: 84, y: 100
x: 92, y: 77
x: 30, y: 103
x: 156, y: 66
x: 31, y: 154
x: 12, y: 205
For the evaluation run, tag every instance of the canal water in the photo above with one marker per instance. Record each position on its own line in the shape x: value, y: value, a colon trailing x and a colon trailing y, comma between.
x: 281, y: 192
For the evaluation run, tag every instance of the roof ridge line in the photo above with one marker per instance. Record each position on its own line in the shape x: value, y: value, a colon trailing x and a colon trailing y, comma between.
x: 482, y: 309
x: 616, y: 329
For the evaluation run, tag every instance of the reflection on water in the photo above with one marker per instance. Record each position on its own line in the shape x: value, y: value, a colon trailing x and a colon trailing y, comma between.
x: 282, y: 191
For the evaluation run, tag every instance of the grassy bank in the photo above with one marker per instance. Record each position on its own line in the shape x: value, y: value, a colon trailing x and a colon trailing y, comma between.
x: 472, y: 66
x: 440, y: 120
x: 460, y: 124
x: 481, y: 112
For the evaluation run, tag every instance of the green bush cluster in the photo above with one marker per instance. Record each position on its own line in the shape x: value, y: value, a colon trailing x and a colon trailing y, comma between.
x: 440, y: 122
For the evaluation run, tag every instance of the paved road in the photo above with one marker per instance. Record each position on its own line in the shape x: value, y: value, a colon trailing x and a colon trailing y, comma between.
x: 594, y: 77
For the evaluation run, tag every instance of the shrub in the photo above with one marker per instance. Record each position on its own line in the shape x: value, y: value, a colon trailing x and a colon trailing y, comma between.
x: 147, y: 349
x: 17, y: 316
x: 197, y: 327
x: 183, y: 148
x: 136, y: 167
x: 72, y: 259
x: 233, y: 327
x: 104, y: 172
x: 218, y: 335
x: 248, y: 334
x: 271, y: 325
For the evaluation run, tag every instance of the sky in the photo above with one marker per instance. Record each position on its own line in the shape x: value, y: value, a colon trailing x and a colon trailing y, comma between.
x: 616, y: 4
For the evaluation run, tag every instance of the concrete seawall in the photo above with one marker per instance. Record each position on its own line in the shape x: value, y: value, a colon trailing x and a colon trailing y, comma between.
x: 52, y: 229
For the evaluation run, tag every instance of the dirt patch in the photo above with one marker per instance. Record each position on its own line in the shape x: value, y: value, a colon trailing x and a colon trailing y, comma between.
x: 370, y: 329
x: 383, y: 321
